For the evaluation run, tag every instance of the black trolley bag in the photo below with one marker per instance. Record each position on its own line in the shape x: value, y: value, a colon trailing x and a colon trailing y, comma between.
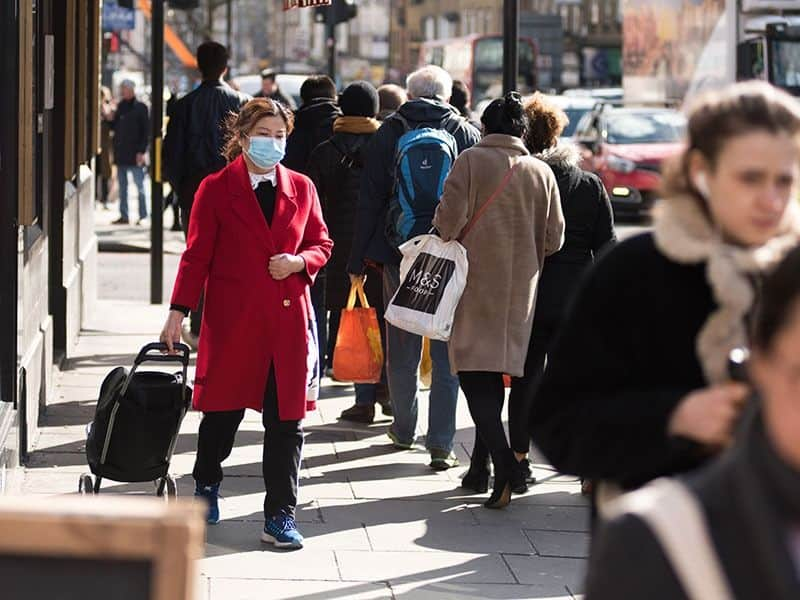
x: 136, y: 423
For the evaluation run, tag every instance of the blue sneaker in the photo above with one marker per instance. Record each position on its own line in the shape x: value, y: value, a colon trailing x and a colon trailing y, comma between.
x: 281, y: 530
x: 211, y: 495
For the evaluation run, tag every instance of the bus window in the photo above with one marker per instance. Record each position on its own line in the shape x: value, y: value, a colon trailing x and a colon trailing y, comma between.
x: 488, y: 80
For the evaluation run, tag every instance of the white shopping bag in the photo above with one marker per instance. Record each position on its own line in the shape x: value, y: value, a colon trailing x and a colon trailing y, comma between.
x: 433, y: 274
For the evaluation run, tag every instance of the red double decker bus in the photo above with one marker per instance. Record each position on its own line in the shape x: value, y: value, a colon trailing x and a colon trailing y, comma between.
x: 477, y: 60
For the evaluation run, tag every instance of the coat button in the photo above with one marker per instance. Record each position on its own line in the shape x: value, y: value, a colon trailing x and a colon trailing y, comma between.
x: 287, y: 303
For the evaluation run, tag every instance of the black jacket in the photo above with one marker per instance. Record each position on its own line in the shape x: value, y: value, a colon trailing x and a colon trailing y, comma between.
x: 623, y: 359
x: 377, y: 183
x: 335, y: 168
x: 131, y: 127
x: 751, y: 500
x: 313, y: 124
x: 194, y: 139
x: 589, y: 227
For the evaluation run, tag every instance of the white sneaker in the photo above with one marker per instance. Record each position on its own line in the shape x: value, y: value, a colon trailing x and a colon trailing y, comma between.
x: 189, y: 338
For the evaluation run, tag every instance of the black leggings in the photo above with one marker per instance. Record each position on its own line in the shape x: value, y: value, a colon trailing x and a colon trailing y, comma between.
x: 523, y: 390
x: 280, y: 463
x: 485, y: 394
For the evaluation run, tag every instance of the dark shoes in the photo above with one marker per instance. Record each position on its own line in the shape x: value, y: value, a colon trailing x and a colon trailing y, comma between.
x: 476, y: 479
x: 523, y: 477
x: 121, y: 221
x: 359, y: 413
x: 386, y: 406
x: 501, y: 494
x: 515, y: 482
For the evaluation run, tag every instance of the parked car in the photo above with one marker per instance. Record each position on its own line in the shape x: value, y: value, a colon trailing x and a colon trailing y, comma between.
x: 612, y: 95
x: 626, y: 147
x: 575, y: 107
x: 288, y: 83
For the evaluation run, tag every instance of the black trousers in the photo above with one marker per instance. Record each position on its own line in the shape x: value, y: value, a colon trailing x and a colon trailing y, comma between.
x: 280, y: 464
x: 523, y: 390
x: 485, y: 394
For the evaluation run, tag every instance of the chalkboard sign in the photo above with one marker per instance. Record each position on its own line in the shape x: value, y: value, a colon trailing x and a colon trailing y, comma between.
x: 89, y: 547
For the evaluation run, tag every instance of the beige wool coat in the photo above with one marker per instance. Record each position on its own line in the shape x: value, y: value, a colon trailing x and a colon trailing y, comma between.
x: 506, y: 250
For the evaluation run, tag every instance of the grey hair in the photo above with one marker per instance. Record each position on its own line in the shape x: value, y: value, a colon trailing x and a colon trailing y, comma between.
x: 430, y: 82
x: 128, y: 83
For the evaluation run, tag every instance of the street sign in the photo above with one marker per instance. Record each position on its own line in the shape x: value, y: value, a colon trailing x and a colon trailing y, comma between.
x: 289, y: 4
x: 116, y: 18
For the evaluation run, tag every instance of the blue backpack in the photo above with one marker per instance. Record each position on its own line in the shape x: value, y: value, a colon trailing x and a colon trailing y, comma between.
x: 423, y: 159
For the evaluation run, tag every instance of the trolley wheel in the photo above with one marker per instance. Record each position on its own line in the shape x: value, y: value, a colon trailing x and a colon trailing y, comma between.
x: 172, y: 487
x: 167, y: 488
x: 86, y: 485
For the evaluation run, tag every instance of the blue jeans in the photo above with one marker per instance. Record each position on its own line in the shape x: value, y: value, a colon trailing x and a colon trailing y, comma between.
x: 138, y: 180
x: 404, y: 351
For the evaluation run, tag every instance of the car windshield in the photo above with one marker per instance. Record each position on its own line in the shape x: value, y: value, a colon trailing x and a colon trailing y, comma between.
x: 645, y: 128
x: 574, y: 115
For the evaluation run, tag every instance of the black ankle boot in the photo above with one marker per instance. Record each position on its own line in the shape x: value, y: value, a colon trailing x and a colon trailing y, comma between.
x: 501, y: 494
x: 476, y: 479
x: 521, y: 476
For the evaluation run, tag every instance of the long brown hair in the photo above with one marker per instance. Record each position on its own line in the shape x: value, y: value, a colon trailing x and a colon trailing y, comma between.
x: 717, y: 117
x: 240, y: 125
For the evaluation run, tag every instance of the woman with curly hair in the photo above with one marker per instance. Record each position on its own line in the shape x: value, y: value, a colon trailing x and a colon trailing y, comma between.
x: 589, y: 222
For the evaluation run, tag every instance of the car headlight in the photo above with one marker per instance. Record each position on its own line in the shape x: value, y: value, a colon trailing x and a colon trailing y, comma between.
x: 622, y: 165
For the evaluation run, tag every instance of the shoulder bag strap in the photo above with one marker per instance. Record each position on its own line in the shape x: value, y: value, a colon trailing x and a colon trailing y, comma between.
x: 479, y: 213
x: 674, y: 515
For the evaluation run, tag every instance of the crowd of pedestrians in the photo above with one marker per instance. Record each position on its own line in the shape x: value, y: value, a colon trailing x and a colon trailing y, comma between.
x: 616, y: 354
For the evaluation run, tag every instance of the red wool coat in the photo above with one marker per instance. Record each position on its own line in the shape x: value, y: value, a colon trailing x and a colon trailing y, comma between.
x: 251, y: 320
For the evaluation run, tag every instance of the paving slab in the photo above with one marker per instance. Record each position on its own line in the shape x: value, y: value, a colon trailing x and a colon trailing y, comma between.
x: 555, y: 573
x: 415, y: 566
x: 260, y: 589
x: 308, y: 564
x: 559, y: 544
x: 445, y: 590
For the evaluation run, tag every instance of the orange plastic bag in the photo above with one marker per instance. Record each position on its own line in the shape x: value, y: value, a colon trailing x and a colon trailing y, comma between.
x: 358, y: 355
x: 426, y: 365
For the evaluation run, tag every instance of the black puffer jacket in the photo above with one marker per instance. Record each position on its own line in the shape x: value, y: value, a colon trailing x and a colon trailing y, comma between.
x: 194, y: 139
x: 589, y: 227
x: 335, y: 168
x: 313, y: 124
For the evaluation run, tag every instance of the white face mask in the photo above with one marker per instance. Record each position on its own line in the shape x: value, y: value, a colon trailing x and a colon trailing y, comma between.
x: 266, y: 152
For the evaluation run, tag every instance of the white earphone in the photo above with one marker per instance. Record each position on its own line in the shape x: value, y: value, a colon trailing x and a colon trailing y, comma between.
x: 701, y: 184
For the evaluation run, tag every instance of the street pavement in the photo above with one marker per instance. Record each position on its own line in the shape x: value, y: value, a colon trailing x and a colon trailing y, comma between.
x: 379, y: 523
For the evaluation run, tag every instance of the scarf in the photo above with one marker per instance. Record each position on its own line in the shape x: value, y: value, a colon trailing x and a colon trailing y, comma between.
x: 357, y: 125
x: 685, y: 235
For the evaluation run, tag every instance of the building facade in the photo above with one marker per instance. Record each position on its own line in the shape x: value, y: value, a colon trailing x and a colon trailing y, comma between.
x: 49, y: 136
x: 579, y: 41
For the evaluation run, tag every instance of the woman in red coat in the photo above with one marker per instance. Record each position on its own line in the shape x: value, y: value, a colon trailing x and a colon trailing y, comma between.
x: 256, y: 241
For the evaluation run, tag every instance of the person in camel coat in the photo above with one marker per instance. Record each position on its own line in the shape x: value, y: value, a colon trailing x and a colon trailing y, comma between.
x: 506, y: 249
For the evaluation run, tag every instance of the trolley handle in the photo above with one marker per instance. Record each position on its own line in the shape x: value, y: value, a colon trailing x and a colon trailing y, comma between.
x: 145, y: 356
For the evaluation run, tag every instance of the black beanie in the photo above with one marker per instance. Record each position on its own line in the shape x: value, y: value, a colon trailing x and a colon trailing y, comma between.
x: 359, y: 99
